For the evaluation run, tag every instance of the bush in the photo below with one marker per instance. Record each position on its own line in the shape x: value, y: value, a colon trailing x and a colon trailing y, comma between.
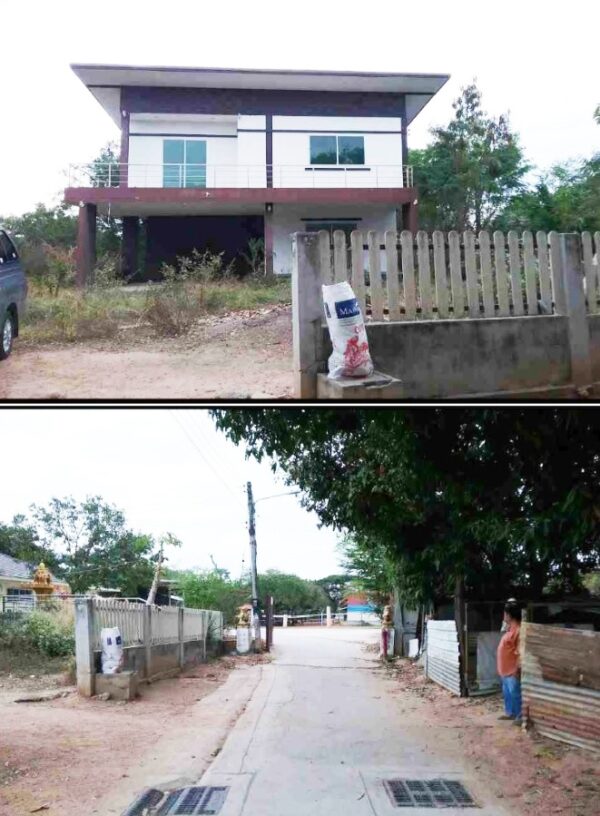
x: 175, y: 308
x: 50, y: 633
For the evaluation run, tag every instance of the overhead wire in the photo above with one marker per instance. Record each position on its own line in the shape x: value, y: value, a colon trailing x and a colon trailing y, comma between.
x: 203, y: 455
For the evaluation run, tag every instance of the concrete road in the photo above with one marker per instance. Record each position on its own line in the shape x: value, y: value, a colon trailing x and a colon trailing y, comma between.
x: 322, y: 730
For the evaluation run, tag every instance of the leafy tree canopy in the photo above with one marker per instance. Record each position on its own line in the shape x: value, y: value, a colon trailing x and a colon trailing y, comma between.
x: 497, y: 498
x: 21, y: 541
x: 291, y: 593
x: 94, y: 546
x: 471, y: 169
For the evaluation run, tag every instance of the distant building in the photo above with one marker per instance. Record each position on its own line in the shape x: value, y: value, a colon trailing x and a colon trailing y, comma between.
x: 360, y: 610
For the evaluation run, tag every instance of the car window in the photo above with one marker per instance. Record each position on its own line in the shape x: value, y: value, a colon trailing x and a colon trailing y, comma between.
x: 7, y: 248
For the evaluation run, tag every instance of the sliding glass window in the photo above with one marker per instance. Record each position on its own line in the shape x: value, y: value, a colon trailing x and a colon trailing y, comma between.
x: 184, y: 163
x: 337, y: 150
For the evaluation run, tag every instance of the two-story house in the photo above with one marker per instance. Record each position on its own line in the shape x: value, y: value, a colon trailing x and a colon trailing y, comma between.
x: 213, y: 157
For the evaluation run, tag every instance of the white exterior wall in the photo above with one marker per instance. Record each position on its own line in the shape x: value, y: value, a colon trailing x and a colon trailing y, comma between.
x: 291, y: 151
x: 287, y: 220
x: 252, y: 151
x: 146, y: 152
x: 236, y: 150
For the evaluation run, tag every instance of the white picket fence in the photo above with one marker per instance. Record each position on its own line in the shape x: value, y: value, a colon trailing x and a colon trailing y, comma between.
x: 164, y: 624
x: 401, y: 276
x: 127, y: 615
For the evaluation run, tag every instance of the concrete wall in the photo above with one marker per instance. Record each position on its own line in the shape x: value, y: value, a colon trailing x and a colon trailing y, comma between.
x: 453, y: 357
x: 236, y: 149
x: 150, y: 660
x: 594, y: 327
x: 146, y: 151
x: 478, y: 356
x: 291, y: 151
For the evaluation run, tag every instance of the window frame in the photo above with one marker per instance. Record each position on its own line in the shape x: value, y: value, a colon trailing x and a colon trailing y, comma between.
x: 195, y: 169
x: 337, y: 137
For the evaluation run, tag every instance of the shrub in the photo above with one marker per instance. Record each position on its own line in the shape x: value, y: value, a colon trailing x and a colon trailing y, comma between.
x: 175, y: 308
x: 49, y: 635
x: 61, y: 268
x: 50, y: 632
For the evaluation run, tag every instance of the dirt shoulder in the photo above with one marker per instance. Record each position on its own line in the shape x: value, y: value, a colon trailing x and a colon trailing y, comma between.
x: 532, y: 774
x: 241, y: 355
x: 78, y: 755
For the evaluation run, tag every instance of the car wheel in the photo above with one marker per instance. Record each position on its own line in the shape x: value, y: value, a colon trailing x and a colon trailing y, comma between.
x: 7, y: 333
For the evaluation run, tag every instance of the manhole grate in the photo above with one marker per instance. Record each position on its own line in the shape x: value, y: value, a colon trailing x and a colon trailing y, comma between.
x: 431, y: 793
x: 196, y: 801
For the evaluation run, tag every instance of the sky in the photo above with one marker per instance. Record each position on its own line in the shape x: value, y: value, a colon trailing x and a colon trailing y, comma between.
x: 170, y: 471
x: 538, y: 60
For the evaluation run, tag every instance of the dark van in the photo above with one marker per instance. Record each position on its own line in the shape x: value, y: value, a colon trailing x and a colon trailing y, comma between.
x: 13, y: 291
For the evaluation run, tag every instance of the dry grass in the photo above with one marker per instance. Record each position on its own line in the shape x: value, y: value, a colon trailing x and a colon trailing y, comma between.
x: 99, y: 313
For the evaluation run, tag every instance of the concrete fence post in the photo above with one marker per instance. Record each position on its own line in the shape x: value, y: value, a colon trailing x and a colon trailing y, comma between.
x: 148, y: 640
x: 181, y: 613
x: 84, y: 646
x: 329, y: 621
x: 578, y: 328
x: 307, y: 313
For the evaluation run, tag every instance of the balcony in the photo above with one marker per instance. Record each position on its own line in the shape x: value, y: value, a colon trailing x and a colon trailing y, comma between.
x: 221, y: 177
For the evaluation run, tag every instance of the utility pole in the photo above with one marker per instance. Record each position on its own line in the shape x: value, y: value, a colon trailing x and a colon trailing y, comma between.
x: 154, y: 587
x: 252, y: 534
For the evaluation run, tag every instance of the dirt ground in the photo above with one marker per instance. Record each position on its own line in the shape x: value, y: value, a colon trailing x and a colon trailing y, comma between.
x: 61, y: 752
x: 533, y: 774
x: 236, y: 356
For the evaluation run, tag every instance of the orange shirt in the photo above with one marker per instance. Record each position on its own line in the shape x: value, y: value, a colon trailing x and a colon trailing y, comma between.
x: 508, y: 652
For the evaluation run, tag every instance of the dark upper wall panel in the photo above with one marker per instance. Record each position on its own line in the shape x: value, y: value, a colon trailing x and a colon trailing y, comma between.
x: 137, y: 99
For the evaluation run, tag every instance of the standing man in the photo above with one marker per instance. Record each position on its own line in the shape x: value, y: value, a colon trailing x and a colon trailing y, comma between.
x: 509, y: 663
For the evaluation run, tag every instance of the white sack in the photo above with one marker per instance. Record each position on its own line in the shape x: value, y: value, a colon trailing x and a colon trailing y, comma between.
x: 112, y: 650
x: 350, y: 356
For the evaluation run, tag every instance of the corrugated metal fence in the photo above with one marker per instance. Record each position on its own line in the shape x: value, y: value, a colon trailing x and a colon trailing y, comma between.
x: 561, y: 683
x: 443, y: 655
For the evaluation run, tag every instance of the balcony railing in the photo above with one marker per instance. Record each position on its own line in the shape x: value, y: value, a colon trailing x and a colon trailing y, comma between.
x: 200, y: 176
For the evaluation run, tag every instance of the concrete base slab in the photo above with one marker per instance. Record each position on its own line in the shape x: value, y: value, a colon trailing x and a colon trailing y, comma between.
x: 121, y: 686
x: 377, y: 386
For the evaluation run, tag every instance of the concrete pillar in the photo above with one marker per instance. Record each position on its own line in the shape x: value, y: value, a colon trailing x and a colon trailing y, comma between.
x: 86, y: 245
x: 329, y: 621
x: 307, y: 313
x: 129, y: 246
x: 181, y: 612
x: 269, y: 239
x: 84, y: 646
x: 148, y: 640
x: 579, y: 332
x: 124, y: 156
x: 285, y: 621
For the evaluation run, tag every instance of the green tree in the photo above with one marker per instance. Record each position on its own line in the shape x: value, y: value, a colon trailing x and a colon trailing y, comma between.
x: 471, y: 169
x: 213, y: 589
x: 94, y: 546
x: 291, y: 593
x: 490, y: 499
x: 21, y: 541
x: 567, y: 199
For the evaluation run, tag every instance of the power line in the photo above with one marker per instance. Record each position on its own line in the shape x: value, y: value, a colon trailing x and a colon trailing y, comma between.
x: 202, y: 454
x: 212, y: 457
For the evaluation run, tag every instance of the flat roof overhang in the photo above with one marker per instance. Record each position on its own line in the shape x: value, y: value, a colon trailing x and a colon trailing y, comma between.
x: 123, y: 201
x: 105, y: 82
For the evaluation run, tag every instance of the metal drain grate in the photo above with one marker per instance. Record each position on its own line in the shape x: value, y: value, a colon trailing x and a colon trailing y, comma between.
x: 198, y: 801
x: 431, y: 793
